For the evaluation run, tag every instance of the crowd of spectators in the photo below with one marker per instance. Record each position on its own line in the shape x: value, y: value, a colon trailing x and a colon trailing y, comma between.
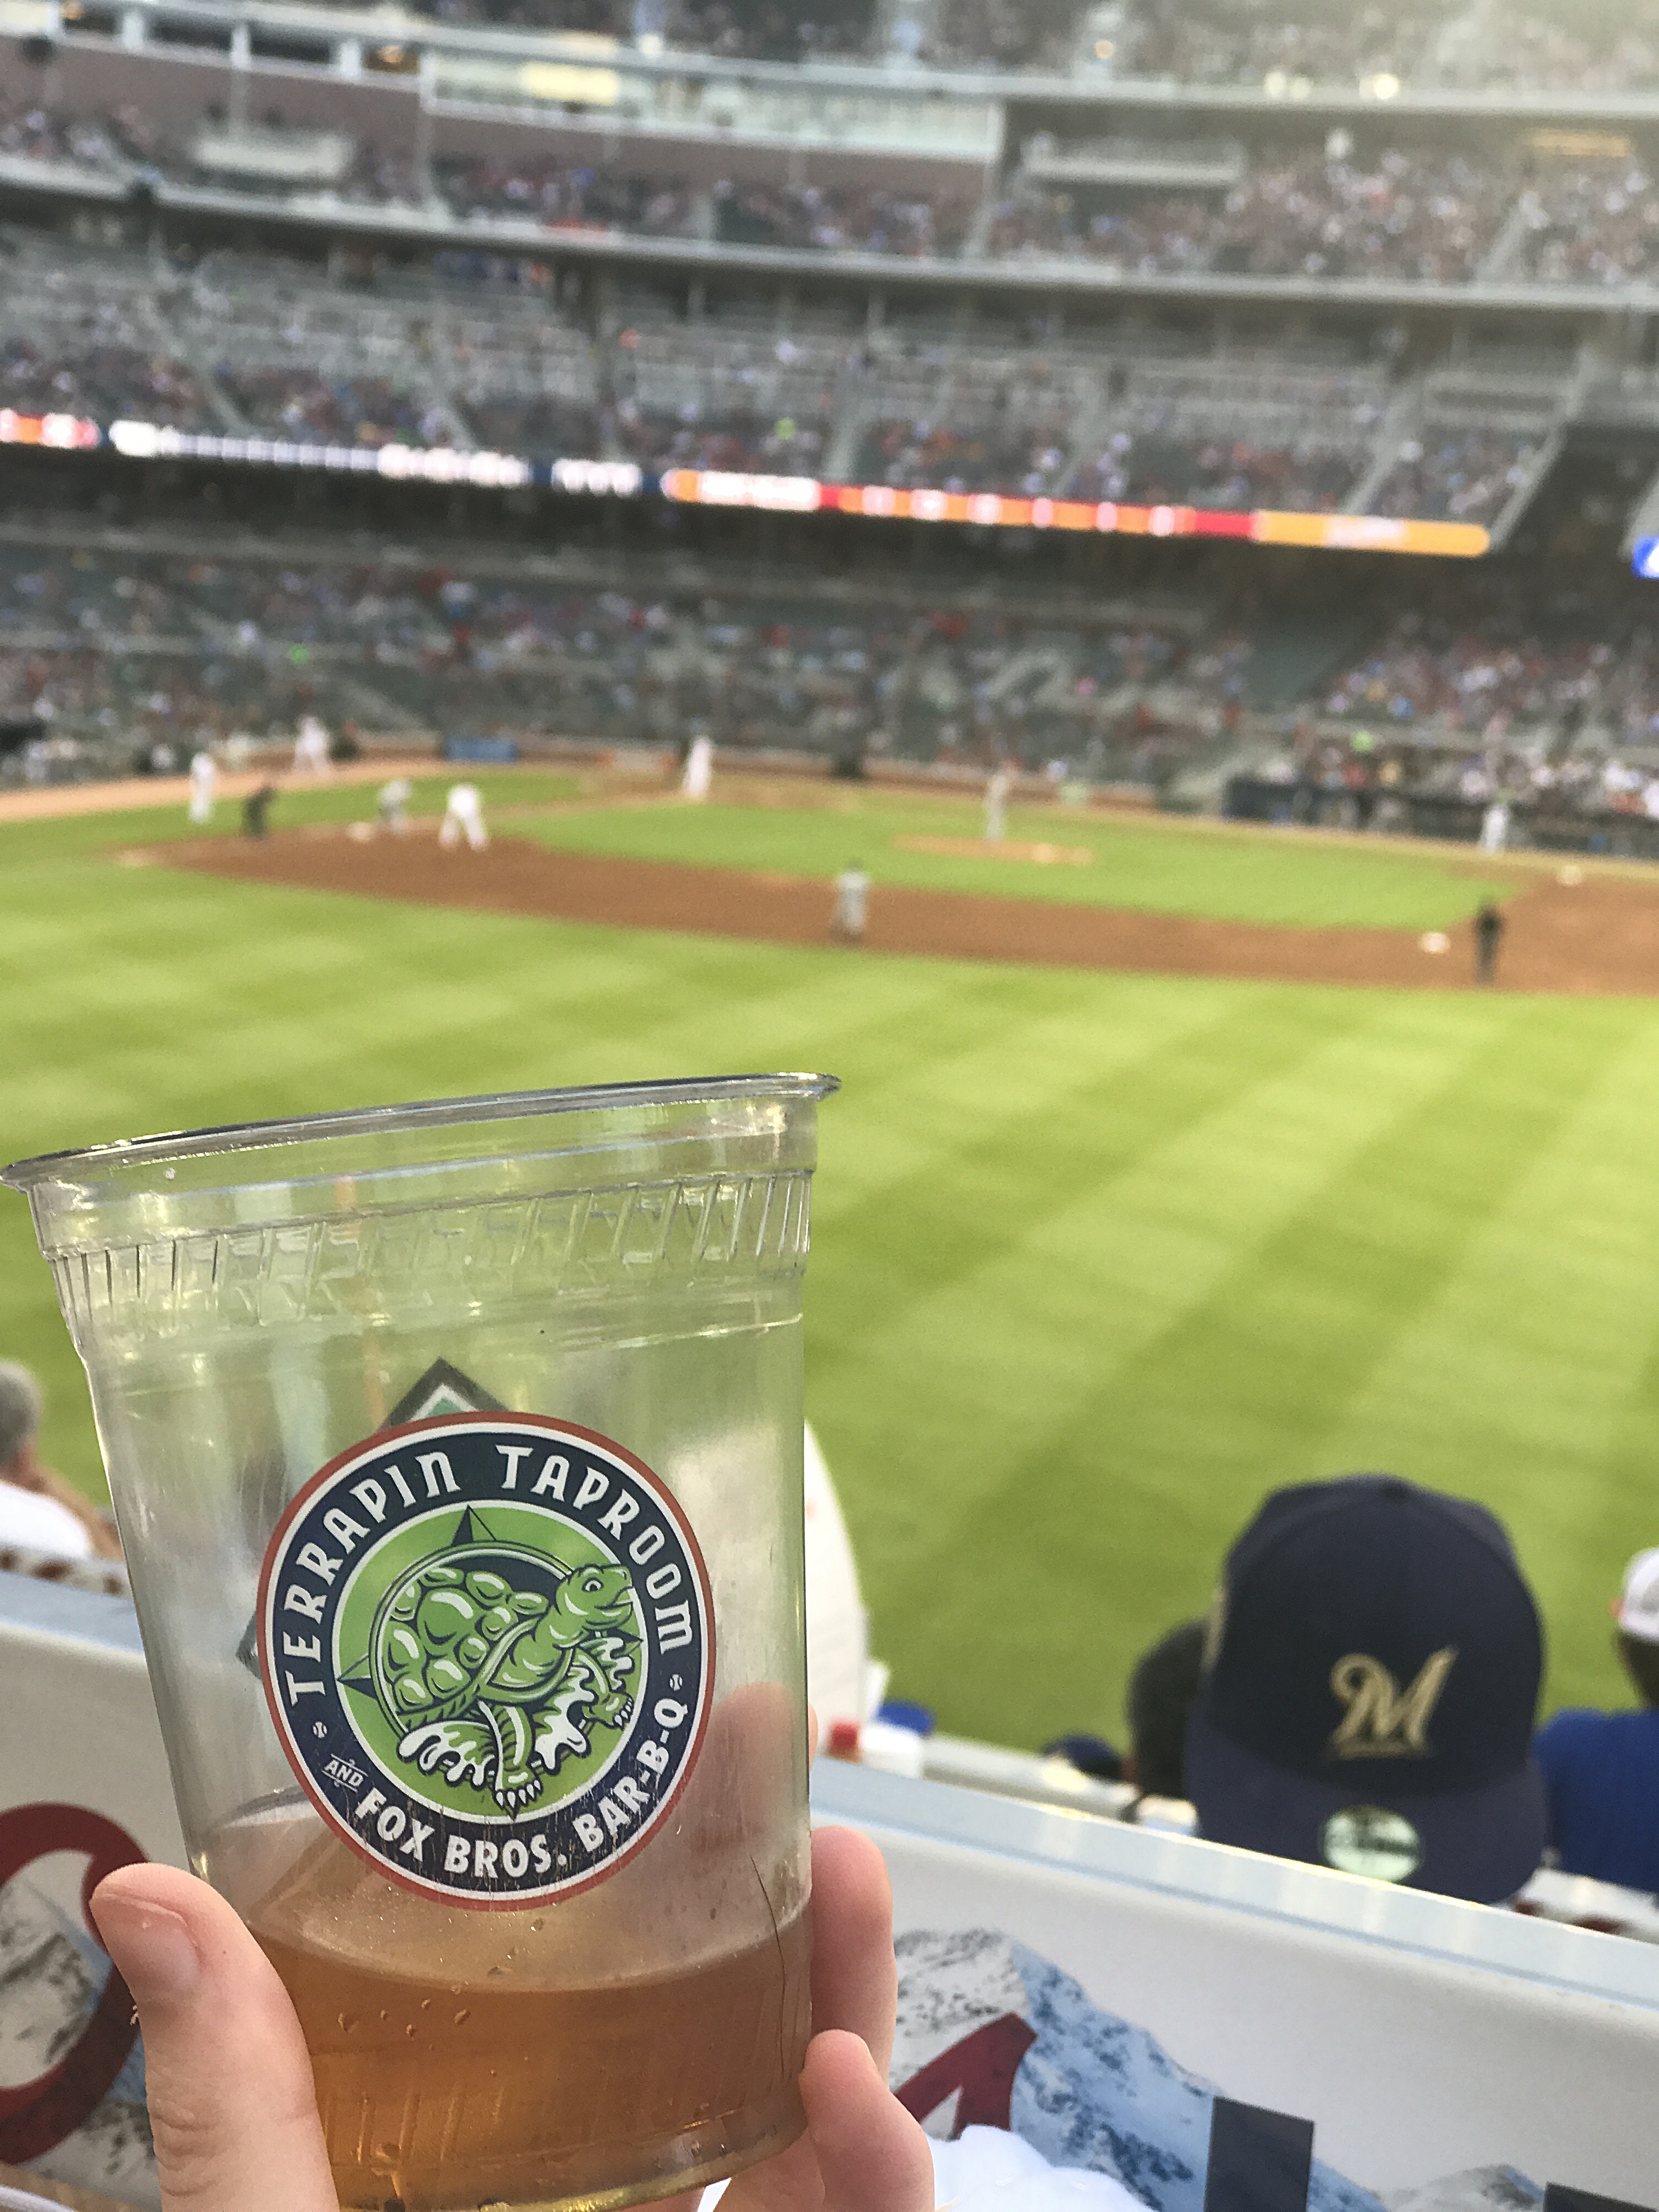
x: 1430, y: 217
x: 567, y: 195
x: 1005, y: 34
x: 815, y: 218
x: 1397, y: 214
x: 1497, y: 670
x: 30, y: 132
x: 1411, y: 212
x: 749, y: 30
x: 1598, y: 48
x: 1456, y: 475
x: 1153, y: 469
x: 1235, y: 42
x: 1609, y: 46
x: 1154, y: 233
x: 116, y: 651
x: 480, y: 355
x: 1590, y: 223
x: 818, y: 218
x: 1601, y: 47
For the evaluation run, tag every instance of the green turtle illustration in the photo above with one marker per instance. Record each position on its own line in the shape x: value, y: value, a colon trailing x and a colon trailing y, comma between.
x: 491, y: 1682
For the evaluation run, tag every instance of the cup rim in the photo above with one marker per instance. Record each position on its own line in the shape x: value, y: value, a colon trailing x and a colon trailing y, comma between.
x: 26, y: 1174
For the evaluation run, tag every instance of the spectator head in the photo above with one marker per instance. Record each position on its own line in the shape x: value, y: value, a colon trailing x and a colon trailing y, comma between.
x: 1370, y: 1682
x: 19, y: 1419
x: 1636, y: 1614
x: 1157, y: 1706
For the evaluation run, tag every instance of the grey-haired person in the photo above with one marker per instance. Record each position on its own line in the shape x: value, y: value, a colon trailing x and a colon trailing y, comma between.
x: 39, y: 1510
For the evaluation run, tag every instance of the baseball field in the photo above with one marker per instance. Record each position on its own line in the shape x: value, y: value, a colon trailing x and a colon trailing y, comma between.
x: 1101, y: 1253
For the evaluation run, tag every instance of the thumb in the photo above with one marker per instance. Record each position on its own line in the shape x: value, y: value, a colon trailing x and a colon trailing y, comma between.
x: 232, y: 2102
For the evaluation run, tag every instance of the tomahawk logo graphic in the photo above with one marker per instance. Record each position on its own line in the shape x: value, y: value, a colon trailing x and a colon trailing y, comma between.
x: 487, y: 1642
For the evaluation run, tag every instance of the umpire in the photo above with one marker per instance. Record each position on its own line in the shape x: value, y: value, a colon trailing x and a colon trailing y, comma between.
x: 1488, y: 935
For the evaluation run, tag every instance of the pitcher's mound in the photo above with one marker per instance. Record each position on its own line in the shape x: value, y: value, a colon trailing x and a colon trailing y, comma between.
x: 975, y: 848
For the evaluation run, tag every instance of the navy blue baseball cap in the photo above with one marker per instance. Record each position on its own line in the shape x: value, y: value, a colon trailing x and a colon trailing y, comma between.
x: 1370, y: 1685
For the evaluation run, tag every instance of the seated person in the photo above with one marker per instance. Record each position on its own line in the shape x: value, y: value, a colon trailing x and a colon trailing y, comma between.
x: 1159, y: 1703
x: 1369, y: 1691
x: 1602, y: 1769
x: 38, y: 1511
x: 1156, y: 1704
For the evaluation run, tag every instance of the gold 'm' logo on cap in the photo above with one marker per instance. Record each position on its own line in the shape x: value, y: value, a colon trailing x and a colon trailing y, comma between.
x: 1382, y: 1721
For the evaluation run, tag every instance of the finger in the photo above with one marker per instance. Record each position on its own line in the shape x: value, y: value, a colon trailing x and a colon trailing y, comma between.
x: 862, y: 2152
x: 854, y: 1977
x: 870, y: 2153
x: 232, y: 2101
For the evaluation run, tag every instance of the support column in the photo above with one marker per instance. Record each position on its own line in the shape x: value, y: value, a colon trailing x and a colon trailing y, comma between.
x: 423, y: 125
x: 241, y: 55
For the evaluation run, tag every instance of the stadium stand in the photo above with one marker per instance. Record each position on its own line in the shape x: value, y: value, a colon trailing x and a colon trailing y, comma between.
x: 1596, y: 49
x: 1504, y: 208
x: 1231, y: 42
x: 130, y: 651
x: 1219, y: 313
x: 1329, y: 213
x: 480, y: 351
x: 1590, y: 222
x: 557, y: 193
x: 116, y: 654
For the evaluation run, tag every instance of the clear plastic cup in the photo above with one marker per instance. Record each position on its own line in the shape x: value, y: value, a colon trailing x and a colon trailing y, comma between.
x: 457, y: 1452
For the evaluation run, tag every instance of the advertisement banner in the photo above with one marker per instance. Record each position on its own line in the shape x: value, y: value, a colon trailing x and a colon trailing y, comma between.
x: 1127, y: 2001
x: 83, y: 1789
x: 1174, y: 2024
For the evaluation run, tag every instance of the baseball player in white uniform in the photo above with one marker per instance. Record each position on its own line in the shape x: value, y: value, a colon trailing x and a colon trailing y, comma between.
x: 996, y: 806
x: 852, y: 905
x: 393, y: 804
x: 464, y: 817
x: 311, y: 748
x: 699, y: 769
x: 204, y: 784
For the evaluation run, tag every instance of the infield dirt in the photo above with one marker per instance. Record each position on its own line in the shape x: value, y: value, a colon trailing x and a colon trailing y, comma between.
x: 1597, y: 936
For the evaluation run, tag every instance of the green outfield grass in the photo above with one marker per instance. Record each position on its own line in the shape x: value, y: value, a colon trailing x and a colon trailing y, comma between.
x: 1097, y: 1259
x: 1240, y: 875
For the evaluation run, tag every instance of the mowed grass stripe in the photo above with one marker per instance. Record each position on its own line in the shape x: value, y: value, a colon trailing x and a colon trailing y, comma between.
x: 1292, y: 1330
x: 322, y: 973
x: 1032, y: 1279
x: 1531, y: 1379
x: 1001, y: 1069
x: 1013, y: 1360
x: 968, y: 1204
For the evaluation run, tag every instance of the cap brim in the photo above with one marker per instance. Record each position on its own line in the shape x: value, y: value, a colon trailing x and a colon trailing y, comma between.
x: 1483, y: 1844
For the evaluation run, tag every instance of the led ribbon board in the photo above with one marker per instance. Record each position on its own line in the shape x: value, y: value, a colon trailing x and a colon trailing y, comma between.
x: 1363, y: 533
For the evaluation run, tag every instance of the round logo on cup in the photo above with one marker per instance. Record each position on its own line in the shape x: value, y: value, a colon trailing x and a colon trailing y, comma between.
x: 488, y: 1643
x: 1371, y: 1840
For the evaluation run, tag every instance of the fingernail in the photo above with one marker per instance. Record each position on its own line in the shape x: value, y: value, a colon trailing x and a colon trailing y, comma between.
x: 152, y: 1950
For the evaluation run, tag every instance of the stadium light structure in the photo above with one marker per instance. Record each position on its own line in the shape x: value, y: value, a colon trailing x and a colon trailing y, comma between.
x: 451, y: 465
